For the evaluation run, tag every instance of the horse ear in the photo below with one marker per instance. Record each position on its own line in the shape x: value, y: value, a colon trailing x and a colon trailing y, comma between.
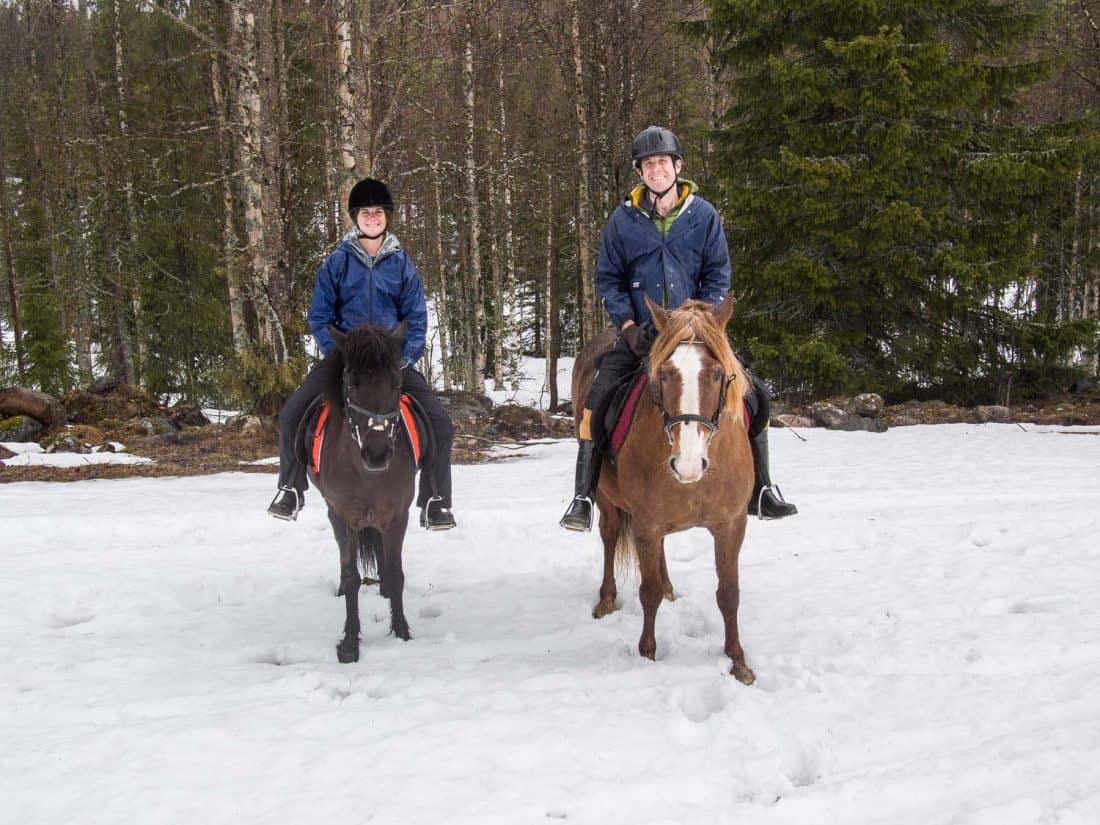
x: 660, y: 316
x: 724, y: 311
x: 337, y: 336
x: 400, y: 332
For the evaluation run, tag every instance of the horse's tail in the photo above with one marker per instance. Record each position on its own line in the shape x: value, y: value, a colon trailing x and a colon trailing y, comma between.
x: 626, y: 552
x: 370, y: 550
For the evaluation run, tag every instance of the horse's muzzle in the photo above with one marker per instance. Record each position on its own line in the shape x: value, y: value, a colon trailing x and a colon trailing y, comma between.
x: 688, y: 472
x: 376, y: 461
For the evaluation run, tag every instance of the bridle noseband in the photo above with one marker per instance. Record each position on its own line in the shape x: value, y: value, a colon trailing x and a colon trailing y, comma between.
x: 710, y: 424
x: 385, y: 423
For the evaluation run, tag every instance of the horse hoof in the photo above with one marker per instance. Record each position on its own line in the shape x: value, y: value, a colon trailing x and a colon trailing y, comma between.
x: 347, y: 654
x: 401, y: 632
x: 648, y: 651
x: 603, y: 608
x: 742, y: 673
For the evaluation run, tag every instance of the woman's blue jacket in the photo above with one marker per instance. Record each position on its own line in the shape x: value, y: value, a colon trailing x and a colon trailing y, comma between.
x: 349, y: 291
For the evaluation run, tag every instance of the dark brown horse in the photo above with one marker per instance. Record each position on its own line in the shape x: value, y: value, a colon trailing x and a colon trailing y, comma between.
x: 685, y: 463
x: 366, y: 470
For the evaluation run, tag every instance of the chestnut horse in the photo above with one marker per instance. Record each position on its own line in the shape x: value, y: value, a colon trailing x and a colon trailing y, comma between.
x: 685, y: 463
x: 366, y: 470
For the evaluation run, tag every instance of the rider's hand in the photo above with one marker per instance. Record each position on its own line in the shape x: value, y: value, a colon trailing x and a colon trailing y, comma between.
x: 640, y: 338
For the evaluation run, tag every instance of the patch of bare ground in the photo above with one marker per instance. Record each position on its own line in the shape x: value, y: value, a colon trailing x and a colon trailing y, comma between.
x: 218, y: 448
x: 203, y: 450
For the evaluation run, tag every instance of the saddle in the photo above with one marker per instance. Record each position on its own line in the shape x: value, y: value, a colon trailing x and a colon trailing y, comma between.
x: 311, y: 431
x: 617, y: 412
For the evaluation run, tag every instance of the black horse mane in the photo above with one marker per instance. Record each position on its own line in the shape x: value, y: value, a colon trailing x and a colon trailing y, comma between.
x: 366, y: 350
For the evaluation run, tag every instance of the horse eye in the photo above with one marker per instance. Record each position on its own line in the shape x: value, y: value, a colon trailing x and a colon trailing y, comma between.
x: 716, y: 373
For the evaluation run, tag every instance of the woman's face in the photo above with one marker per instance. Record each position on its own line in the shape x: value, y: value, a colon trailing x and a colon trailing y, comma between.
x: 371, y: 221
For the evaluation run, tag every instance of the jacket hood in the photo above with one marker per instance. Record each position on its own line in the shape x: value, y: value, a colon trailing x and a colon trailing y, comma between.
x: 687, y: 187
x: 351, y: 242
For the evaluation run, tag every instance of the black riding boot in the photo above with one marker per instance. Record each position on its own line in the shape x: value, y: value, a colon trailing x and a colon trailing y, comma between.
x: 435, y: 515
x: 287, y: 503
x: 579, y: 515
x: 767, y: 501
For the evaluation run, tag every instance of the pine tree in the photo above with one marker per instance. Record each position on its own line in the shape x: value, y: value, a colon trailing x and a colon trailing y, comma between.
x: 883, y: 210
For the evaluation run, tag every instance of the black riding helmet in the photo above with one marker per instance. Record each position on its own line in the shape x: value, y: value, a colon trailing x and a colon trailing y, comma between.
x: 369, y: 192
x: 655, y: 140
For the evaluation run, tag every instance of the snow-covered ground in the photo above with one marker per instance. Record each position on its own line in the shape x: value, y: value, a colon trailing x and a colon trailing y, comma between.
x: 925, y: 635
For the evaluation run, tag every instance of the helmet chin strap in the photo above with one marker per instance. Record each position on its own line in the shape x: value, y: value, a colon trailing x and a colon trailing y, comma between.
x: 658, y: 195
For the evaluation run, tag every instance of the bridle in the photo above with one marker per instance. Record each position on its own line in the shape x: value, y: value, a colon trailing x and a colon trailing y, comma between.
x: 710, y: 424
x: 385, y: 423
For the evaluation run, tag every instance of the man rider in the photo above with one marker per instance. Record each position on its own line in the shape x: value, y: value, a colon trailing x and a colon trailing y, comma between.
x: 667, y: 242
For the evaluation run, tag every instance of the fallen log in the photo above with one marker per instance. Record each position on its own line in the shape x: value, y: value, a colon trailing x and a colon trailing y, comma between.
x: 32, y: 403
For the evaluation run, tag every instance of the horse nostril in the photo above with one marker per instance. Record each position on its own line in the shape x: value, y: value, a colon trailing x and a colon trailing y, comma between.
x: 705, y: 465
x: 672, y: 466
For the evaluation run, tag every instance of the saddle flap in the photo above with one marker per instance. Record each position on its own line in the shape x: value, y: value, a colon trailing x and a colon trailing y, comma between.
x: 621, y: 412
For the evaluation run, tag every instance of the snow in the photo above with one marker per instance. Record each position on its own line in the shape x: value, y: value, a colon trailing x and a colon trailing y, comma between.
x: 925, y: 635
x: 31, y: 454
x: 529, y: 387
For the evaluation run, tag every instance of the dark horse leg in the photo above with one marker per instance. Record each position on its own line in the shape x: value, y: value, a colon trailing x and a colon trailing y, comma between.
x: 393, y: 576
x: 727, y: 548
x: 348, y: 539
x: 652, y: 589
x: 611, y: 527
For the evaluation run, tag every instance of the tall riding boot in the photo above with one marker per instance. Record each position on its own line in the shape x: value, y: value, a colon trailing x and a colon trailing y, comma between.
x: 579, y: 515
x: 767, y: 501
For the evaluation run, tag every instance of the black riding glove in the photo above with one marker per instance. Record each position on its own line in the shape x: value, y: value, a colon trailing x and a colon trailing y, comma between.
x: 640, y: 338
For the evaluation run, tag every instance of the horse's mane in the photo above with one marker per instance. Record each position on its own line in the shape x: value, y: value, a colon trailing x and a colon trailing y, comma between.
x: 366, y: 350
x: 694, y: 320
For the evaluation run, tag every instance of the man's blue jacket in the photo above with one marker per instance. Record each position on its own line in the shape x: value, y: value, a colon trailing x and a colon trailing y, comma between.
x: 692, y: 261
x: 352, y: 290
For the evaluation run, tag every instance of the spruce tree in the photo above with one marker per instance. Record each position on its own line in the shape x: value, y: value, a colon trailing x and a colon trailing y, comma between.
x: 883, y: 209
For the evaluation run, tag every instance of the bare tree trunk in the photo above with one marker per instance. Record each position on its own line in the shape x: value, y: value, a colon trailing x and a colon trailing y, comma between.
x: 510, y: 302
x: 230, y: 242
x: 585, y: 275
x: 442, y: 305
x: 346, y: 103
x: 132, y: 352
x: 497, y: 266
x: 270, y: 70
x: 552, y: 325
x: 248, y: 106
x: 9, y: 254
x: 1092, y: 274
x: 476, y: 308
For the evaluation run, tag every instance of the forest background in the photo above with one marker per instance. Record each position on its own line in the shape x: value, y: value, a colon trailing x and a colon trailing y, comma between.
x: 911, y: 190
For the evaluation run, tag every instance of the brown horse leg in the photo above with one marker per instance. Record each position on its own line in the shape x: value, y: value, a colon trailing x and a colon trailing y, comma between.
x: 348, y: 649
x: 665, y: 580
x: 651, y: 592
x: 610, y: 527
x: 727, y: 548
x: 393, y: 577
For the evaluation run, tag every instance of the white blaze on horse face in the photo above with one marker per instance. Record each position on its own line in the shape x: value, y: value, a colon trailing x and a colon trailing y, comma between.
x: 689, y: 462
